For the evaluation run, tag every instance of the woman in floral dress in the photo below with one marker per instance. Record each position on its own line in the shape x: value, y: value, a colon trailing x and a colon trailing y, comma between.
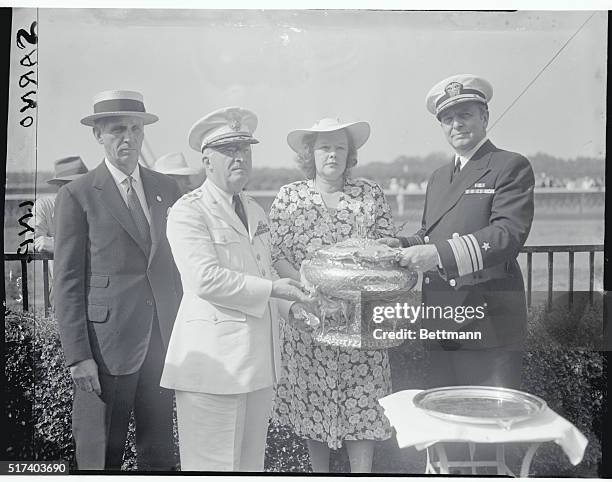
x: 329, y: 395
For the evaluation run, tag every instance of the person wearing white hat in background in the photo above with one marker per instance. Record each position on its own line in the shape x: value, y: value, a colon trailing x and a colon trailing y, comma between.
x: 117, y: 292
x: 66, y: 169
x: 175, y: 166
x: 478, y: 213
x: 223, y: 357
x: 329, y: 395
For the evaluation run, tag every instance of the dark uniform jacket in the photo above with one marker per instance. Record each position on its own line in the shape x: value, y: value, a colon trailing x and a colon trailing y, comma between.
x: 479, y: 222
x: 109, y: 286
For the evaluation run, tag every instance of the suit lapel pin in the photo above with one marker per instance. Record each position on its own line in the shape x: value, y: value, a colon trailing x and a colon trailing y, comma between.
x: 159, y: 199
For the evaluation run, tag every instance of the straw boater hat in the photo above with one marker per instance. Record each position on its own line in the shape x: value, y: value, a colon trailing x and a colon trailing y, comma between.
x: 67, y: 169
x: 113, y: 103
x: 457, y: 89
x: 174, y: 164
x: 359, y: 132
x: 228, y: 125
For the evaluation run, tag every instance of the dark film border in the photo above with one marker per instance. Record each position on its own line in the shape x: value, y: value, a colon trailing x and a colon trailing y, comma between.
x: 5, y: 58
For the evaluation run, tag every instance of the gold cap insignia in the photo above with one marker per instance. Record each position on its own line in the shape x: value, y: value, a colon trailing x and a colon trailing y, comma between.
x: 453, y: 89
x: 235, y: 125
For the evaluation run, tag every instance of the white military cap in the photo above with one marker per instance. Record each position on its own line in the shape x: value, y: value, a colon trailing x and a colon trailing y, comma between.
x: 456, y: 89
x: 175, y: 164
x: 228, y: 125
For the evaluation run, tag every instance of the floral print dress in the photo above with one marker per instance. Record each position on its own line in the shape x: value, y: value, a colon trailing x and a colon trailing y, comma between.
x: 326, y: 393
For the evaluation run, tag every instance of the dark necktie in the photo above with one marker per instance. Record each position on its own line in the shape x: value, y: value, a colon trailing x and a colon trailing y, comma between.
x: 456, y: 169
x: 239, y: 209
x: 137, y: 213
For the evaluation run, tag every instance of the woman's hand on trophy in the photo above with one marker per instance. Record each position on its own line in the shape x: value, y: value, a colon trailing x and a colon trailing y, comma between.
x: 391, y: 242
x: 423, y: 257
x: 290, y: 290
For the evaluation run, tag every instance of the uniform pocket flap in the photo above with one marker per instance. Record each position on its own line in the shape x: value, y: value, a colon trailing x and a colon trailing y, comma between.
x: 97, y: 313
x: 98, y: 280
x: 194, y: 308
x: 224, y: 235
x: 227, y: 314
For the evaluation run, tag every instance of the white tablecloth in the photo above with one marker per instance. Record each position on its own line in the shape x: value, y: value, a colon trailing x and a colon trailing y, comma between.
x: 414, y: 427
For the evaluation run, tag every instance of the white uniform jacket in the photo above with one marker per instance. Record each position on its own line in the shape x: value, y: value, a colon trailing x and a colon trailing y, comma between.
x: 226, y: 336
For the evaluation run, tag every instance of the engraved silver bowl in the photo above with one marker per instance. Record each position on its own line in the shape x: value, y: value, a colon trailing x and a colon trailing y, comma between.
x: 339, y: 274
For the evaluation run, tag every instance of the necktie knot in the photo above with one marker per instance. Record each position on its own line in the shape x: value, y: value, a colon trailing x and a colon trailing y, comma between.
x: 129, y: 182
x: 457, y: 164
x: 456, y: 168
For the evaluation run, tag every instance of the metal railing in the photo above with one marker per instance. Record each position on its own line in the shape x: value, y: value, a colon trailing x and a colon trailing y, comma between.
x: 571, y: 250
x: 24, y: 259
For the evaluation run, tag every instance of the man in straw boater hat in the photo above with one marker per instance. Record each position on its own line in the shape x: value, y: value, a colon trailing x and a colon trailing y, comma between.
x: 223, y: 357
x: 175, y: 165
x: 117, y: 292
x: 478, y: 213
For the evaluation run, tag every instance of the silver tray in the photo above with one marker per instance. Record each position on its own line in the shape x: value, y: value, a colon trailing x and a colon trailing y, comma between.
x: 480, y: 405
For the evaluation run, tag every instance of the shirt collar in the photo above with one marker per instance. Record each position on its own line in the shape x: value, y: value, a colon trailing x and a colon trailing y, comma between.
x: 468, y: 155
x: 227, y: 196
x: 120, y: 176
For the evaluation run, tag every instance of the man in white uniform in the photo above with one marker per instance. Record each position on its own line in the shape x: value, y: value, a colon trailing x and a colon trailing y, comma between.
x: 223, y: 356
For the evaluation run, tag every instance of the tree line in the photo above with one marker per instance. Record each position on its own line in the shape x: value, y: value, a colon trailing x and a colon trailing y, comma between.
x: 409, y: 169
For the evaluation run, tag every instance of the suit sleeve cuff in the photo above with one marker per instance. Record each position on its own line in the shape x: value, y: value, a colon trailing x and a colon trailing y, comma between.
x: 259, y: 291
x: 460, y: 255
x: 447, y: 260
x: 410, y: 241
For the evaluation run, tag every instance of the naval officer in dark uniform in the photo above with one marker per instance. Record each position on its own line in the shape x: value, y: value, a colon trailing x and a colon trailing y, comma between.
x: 477, y: 216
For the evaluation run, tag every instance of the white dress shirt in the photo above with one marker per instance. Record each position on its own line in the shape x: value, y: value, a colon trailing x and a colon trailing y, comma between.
x: 122, y: 183
x: 468, y: 155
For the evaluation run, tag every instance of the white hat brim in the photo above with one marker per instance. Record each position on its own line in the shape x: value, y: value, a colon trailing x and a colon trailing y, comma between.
x: 61, y: 179
x: 181, y: 171
x: 359, y: 132
x: 146, y: 117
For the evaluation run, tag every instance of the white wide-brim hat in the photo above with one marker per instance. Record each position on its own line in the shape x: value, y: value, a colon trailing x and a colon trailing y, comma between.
x: 114, y: 103
x: 359, y: 132
x: 174, y: 164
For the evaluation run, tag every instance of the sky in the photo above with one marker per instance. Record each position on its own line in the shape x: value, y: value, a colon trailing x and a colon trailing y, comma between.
x: 292, y: 67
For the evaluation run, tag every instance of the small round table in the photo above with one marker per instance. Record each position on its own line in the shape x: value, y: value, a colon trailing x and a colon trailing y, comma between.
x: 438, y: 463
x: 416, y: 428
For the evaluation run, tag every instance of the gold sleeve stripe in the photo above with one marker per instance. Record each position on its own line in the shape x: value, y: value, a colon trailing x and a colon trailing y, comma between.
x: 478, y: 251
x: 467, y: 259
x: 470, y: 250
x: 456, y: 254
x: 473, y: 256
x: 462, y: 257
